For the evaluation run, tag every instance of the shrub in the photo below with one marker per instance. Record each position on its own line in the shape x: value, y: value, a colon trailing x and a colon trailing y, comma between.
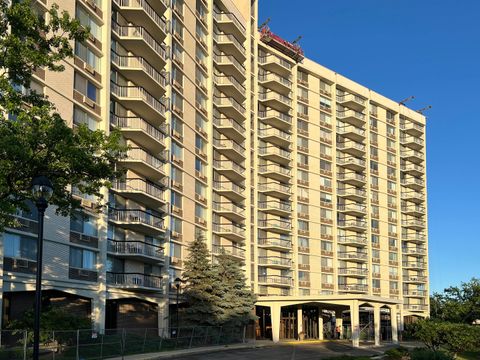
x: 397, y: 353
x: 427, y: 354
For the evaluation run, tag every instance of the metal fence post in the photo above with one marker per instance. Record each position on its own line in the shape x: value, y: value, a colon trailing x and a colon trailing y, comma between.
x: 219, y: 335
x: 25, y: 336
x: 53, y: 343
x: 244, y: 331
x: 161, y: 339
x: 206, y: 336
x: 78, y: 344
x: 191, y: 338
x: 101, y: 346
x: 144, y: 340
x: 123, y: 342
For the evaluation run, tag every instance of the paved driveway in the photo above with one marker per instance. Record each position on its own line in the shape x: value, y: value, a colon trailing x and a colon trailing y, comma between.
x: 304, y: 351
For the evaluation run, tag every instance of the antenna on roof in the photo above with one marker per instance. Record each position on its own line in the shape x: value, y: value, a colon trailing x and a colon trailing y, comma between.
x: 297, y: 39
x: 265, y: 23
x: 421, y: 111
x: 405, y: 100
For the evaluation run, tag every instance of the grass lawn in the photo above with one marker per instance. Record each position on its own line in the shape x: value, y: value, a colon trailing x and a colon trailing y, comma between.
x: 470, y: 355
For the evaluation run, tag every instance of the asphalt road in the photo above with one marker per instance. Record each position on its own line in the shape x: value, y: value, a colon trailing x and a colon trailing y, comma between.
x: 303, y: 351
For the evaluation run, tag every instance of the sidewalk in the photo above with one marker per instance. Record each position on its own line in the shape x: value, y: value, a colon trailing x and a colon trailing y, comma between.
x: 194, y: 351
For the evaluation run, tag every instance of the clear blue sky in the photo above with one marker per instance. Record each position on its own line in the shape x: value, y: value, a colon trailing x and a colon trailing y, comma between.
x: 429, y: 49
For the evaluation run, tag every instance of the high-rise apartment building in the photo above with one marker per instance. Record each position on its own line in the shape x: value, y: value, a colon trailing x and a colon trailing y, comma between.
x: 315, y: 183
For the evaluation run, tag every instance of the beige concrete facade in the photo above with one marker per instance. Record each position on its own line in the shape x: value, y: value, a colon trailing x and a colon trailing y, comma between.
x: 314, y: 182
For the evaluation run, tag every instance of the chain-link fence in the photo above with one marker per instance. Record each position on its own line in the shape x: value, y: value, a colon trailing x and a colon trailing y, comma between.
x: 90, y: 345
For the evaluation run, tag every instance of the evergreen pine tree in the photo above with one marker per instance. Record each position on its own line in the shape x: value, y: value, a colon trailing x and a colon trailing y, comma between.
x: 236, y: 300
x: 200, y: 291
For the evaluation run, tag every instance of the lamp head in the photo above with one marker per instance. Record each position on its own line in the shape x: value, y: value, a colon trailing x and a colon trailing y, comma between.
x: 42, y: 188
x: 177, y: 282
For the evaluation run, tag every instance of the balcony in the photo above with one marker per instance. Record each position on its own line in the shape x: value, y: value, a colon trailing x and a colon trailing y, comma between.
x: 413, y: 196
x: 143, y: 164
x: 413, y: 156
x: 411, y: 142
x: 142, y: 192
x: 275, y: 280
x: 229, y: 65
x: 353, y: 288
x: 357, y: 256
x: 136, y: 250
x: 413, y: 183
x: 275, y: 101
x: 135, y: 281
x: 417, y: 265
x: 277, y: 190
x: 230, y: 211
x: 229, y: 127
x: 276, y: 83
x: 274, y: 171
x: 413, y: 169
x: 276, y: 118
x: 230, y: 190
x: 415, y: 307
x: 353, y: 272
x: 275, y: 244
x: 276, y: 154
x: 414, y: 238
x: 351, y: 163
x: 414, y: 251
x: 230, y: 169
x: 232, y: 232
x: 276, y: 207
x: 413, y: 210
x: 353, y: 225
x: 230, y: 107
x: 230, y: 86
x: 351, y: 147
x: 230, y: 149
x: 351, y: 101
x: 352, y: 193
x: 230, y: 250
x: 140, y: 12
x: 275, y: 225
x: 352, y: 178
x: 139, y: 101
x: 353, y: 240
x: 415, y: 279
x: 275, y: 136
x: 415, y: 293
x: 352, y: 209
x: 412, y: 128
x: 229, y: 44
x: 416, y: 224
x: 351, y: 132
x: 139, y: 71
x: 274, y: 63
x: 138, y: 40
x: 139, y: 131
x: 137, y: 220
x: 276, y: 262
x: 228, y: 23
x: 352, y: 117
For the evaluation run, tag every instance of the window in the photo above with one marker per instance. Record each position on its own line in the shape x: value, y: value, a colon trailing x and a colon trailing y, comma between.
x: 303, y: 276
x: 391, y: 185
x: 303, y: 259
x: 373, y: 151
x: 177, y: 76
x: 303, y: 242
x: 393, y: 285
x: 376, y: 283
x: 327, y: 279
x: 177, y: 101
x: 302, y: 142
x: 373, y: 123
x: 375, y: 240
x: 392, y: 256
x: 392, y: 242
x: 87, y: 55
x: 177, y: 27
x: 392, y: 200
x: 200, y: 166
x: 390, y: 115
x: 177, y: 52
x: 390, y: 171
x: 303, y: 192
x: 375, y: 269
x: 375, y: 224
x: 327, y: 246
x: 302, y: 175
x: 83, y: 259
x: 391, y: 158
x: 325, y: 118
x: 373, y: 165
x: 82, y: 117
x: 326, y: 214
x: 374, y: 180
x: 325, y: 135
x: 326, y: 182
x: 303, y: 225
x: 375, y: 253
x: 19, y: 246
x: 325, y: 103
x: 373, y: 137
x: 200, y: 143
x: 373, y: 109
x: 325, y: 150
x: 392, y: 228
x: 390, y: 130
x: 200, y: 211
x: 326, y: 262
x: 177, y: 126
x: 302, y: 76
x: 302, y: 159
x: 303, y: 93
x: 302, y: 208
x: 86, y: 87
x: 177, y: 150
x: 302, y: 109
x: 325, y: 87
x: 374, y: 196
x: 375, y: 210
x: 84, y: 224
x: 200, y: 122
x: 89, y: 22
x: 177, y: 175
x: 200, y: 188
x: 391, y: 143
x: 325, y: 165
x: 326, y: 198
x: 176, y: 200
x: 178, y: 6
x: 302, y: 125
x: 325, y: 230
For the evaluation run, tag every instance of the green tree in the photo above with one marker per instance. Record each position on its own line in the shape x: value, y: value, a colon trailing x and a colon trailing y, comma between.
x: 236, y: 298
x: 460, y: 304
x: 34, y: 139
x: 200, y: 291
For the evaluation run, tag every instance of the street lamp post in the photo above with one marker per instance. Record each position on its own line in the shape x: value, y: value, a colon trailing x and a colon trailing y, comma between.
x: 42, y: 191
x: 177, y: 282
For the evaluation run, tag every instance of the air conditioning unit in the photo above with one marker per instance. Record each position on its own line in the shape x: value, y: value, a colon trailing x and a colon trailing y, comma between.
x: 89, y: 68
x: 88, y: 203
x: 20, y: 263
x: 88, y: 101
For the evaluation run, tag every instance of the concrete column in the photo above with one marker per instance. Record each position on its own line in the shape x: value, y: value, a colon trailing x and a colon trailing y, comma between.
x: 320, y: 325
x: 355, y: 322
x: 98, y: 314
x: 376, y: 322
x: 393, y: 316
x: 299, y: 320
x: 339, y: 323
x: 163, y: 315
x: 275, y: 311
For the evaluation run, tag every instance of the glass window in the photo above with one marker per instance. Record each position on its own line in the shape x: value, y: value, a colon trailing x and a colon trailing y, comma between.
x: 84, y: 224
x: 302, y: 125
x: 303, y: 242
x: 327, y: 246
x: 326, y: 182
x: 82, y: 117
x: 325, y: 150
x: 83, y: 259
x: 85, y: 87
x: 19, y: 246
x: 325, y: 103
x: 87, y: 55
x: 327, y: 279
x: 325, y: 118
x: 324, y: 197
x: 176, y: 224
x: 177, y: 125
x: 88, y: 21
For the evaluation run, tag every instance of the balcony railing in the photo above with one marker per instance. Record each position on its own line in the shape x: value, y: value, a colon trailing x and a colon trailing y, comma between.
x: 229, y: 59
x: 137, y: 184
x: 225, y: 16
x: 267, y: 132
x: 134, y: 280
x: 274, y: 150
x: 134, y: 216
x: 272, y: 95
x: 274, y: 260
x: 275, y: 242
x: 352, y: 271
x: 137, y: 62
x: 275, y: 77
x: 352, y: 191
x: 228, y: 38
x: 228, y: 207
x: 142, y: 155
x: 350, y: 161
x: 132, y: 92
x: 353, y: 287
x: 352, y: 239
x: 143, y: 4
x: 229, y: 228
x: 415, y: 307
x: 231, y: 250
x: 350, y: 97
x: 352, y: 255
x: 136, y: 123
x: 351, y: 176
x: 228, y: 144
x: 228, y: 101
x: 352, y: 207
x: 275, y: 59
x: 275, y: 279
x: 275, y: 223
x: 228, y: 165
x: 275, y: 114
x: 229, y: 80
x: 135, y: 248
x: 226, y: 122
